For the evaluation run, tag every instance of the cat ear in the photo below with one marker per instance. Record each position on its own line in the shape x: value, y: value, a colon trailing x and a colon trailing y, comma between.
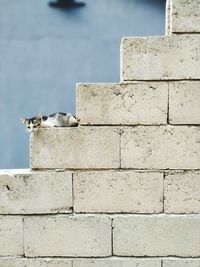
x: 39, y: 116
x: 23, y: 120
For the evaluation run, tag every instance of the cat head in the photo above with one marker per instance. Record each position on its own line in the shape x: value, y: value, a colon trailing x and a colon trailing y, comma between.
x: 32, y: 124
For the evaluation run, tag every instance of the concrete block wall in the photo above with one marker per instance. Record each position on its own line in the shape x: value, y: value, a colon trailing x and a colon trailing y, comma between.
x: 122, y: 189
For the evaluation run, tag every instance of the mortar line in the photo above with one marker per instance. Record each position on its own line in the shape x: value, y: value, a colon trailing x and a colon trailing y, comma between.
x: 164, y: 192
x: 120, y: 149
x: 107, y: 257
x: 72, y: 192
x: 100, y: 214
x: 112, y: 221
x: 116, y: 169
x: 138, y: 125
x: 185, y: 33
x: 23, y: 237
x: 168, y: 106
x: 158, y: 80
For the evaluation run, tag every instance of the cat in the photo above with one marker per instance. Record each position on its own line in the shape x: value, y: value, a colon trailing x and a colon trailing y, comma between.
x: 59, y: 119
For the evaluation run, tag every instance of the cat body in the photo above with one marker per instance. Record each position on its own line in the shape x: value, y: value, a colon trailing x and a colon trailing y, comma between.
x: 59, y: 119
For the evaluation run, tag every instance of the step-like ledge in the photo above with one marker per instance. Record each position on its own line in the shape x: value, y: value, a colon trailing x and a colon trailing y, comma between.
x: 75, y: 148
x: 31, y: 192
x: 123, y: 104
x: 173, y: 57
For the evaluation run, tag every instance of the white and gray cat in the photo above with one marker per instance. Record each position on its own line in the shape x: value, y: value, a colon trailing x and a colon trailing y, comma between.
x: 54, y: 120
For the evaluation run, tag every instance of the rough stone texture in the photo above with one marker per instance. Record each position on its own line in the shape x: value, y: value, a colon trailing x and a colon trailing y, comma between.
x: 181, y: 263
x: 72, y: 236
x: 182, y: 192
x: 113, y: 192
x: 22, y: 262
x: 185, y: 16
x: 117, y: 262
x: 82, y: 147
x: 184, y: 102
x: 157, y: 235
x: 160, y: 58
x: 127, y: 104
x: 168, y: 18
x: 161, y: 147
x: 11, y: 236
x: 26, y: 192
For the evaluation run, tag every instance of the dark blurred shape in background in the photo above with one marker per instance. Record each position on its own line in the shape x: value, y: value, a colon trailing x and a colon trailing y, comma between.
x: 45, y: 51
x: 66, y: 4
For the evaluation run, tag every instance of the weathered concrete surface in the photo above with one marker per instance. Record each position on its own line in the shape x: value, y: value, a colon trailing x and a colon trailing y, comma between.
x: 181, y: 262
x: 161, y: 147
x: 11, y: 236
x: 82, y: 147
x: 157, y: 235
x: 70, y: 236
x: 28, y: 192
x: 117, y: 262
x: 22, y: 262
x: 185, y: 16
x: 114, y: 191
x: 127, y: 104
x: 168, y: 18
x: 160, y: 58
x: 182, y: 192
x: 184, y: 102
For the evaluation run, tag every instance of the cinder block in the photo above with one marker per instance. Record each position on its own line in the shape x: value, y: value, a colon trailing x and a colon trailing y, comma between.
x: 22, y: 262
x: 161, y: 147
x: 82, y: 147
x: 11, y: 236
x: 182, y: 192
x: 126, y: 104
x: 29, y: 192
x: 160, y: 58
x: 117, y: 262
x: 181, y: 262
x: 184, y: 102
x: 70, y: 236
x: 185, y: 16
x: 157, y: 235
x: 114, y: 192
x: 13, y: 262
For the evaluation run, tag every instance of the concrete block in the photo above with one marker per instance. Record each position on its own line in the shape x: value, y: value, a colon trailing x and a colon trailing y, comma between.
x: 161, y: 147
x: 22, y: 262
x: 185, y: 16
x: 181, y: 263
x: 11, y: 236
x: 160, y: 58
x: 126, y: 104
x: 29, y: 192
x: 91, y: 147
x: 157, y: 235
x: 13, y: 262
x: 114, y: 191
x: 117, y: 262
x: 70, y: 236
x: 182, y: 192
x: 184, y: 102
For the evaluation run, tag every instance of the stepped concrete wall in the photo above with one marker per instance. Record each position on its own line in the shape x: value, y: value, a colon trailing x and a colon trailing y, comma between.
x: 122, y: 189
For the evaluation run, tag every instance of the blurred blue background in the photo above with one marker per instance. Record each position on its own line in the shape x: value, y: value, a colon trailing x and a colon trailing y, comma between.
x: 45, y: 51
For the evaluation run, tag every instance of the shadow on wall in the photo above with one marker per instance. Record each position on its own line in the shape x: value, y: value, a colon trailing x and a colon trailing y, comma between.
x: 45, y: 52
